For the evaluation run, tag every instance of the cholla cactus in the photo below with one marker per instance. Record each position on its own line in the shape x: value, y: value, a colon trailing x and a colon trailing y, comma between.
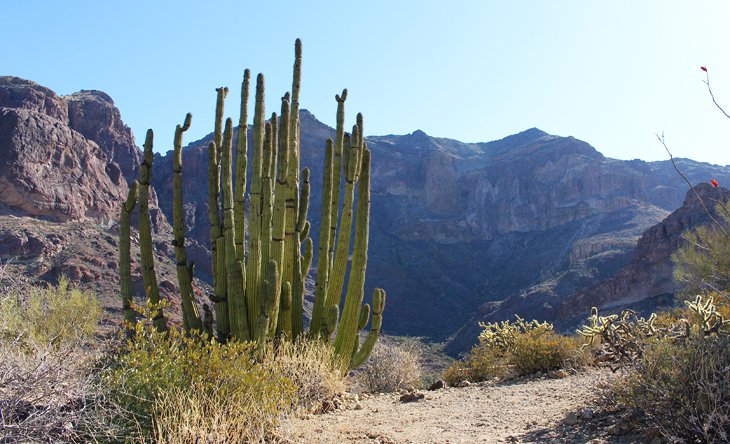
x: 711, y: 321
x: 502, y: 335
x: 622, y: 337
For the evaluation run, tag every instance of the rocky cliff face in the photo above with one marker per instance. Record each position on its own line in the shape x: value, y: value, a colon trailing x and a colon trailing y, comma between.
x: 49, y: 169
x: 531, y: 218
x: 60, y: 162
x: 649, y: 273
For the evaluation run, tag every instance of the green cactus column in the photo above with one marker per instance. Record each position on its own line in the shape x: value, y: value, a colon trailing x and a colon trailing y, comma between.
x: 216, y: 239
x: 323, y: 261
x: 278, y: 232
x: 337, y: 173
x: 237, y: 304
x: 344, y: 234
x: 348, y: 328
x: 239, y: 209
x: 253, y: 266
x: 145, y: 235
x: 125, y: 259
x: 191, y: 315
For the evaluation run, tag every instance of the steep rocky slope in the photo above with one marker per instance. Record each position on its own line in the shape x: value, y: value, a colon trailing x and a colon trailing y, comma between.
x: 532, y: 217
x: 456, y: 227
x: 61, y: 186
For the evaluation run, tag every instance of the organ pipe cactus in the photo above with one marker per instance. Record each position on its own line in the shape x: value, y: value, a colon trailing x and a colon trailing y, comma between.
x: 259, y: 278
x: 191, y: 315
x: 125, y: 260
x: 145, y: 236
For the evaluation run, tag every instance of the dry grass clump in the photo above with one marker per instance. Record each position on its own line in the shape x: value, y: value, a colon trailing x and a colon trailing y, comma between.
x: 204, y: 376
x: 392, y: 367
x: 519, y: 348
x: 311, y: 365
x: 685, y: 388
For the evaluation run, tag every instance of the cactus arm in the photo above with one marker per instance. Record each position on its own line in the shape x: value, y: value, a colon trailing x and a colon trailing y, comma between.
x: 364, y: 352
x: 145, y: 235
x: 125, y: 260
x: 267, y: 198
x: 191, y: 315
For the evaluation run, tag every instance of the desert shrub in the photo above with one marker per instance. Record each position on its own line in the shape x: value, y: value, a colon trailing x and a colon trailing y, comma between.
x: 685, y: 388
x: 53, y: 315
x: 516, y: 349
x: 541, y: 350
x: 392, y: 367
x: 204, y: 375
x: 311, y: 365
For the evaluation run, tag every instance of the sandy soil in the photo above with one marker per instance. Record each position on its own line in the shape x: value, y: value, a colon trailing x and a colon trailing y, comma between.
x: 533, y: 411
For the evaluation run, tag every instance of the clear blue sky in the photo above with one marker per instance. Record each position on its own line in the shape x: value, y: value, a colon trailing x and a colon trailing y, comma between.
x: 610, y: 73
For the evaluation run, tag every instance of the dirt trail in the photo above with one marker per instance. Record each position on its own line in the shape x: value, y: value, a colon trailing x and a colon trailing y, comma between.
x: 532, y: 411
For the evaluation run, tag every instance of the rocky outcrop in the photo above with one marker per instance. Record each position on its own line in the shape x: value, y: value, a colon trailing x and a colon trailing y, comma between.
x: 93, y: 114
x: 47, y: 168
x: 649, y: 273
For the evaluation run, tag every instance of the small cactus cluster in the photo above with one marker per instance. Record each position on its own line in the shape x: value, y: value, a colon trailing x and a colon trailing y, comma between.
x: 711, y: 321
x: 623, y: 337
x: 259, y: 279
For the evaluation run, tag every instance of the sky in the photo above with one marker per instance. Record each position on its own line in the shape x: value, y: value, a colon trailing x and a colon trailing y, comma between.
x: 612, y: 73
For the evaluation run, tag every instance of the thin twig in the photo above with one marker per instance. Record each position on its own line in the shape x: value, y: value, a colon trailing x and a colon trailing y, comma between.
x: 707, y: 82
x: 702, y: 202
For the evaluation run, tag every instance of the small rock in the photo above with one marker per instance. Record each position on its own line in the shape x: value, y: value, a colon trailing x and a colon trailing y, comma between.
x: 571, y: 419
x: 357, y: 406
x: 437, y: 385
x: 412, y: 397
x: 586, y: 413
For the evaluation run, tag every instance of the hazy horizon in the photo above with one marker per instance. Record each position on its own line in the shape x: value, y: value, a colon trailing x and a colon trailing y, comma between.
x: 612, y: 75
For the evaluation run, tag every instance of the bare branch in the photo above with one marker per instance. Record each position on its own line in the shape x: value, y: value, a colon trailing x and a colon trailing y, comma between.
x: 702, y: 202
x: 707, y: 82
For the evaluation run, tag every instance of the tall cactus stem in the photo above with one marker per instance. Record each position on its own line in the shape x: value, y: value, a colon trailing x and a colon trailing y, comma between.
x: 239, y: 321
x: 190, y: 312
x: 145, y: 235
x: 323, y: 261
x: 356, y: 285
x: 337, y: 172
x: 239, y: 209
x: 344, y: 235
x: 125, y: 257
